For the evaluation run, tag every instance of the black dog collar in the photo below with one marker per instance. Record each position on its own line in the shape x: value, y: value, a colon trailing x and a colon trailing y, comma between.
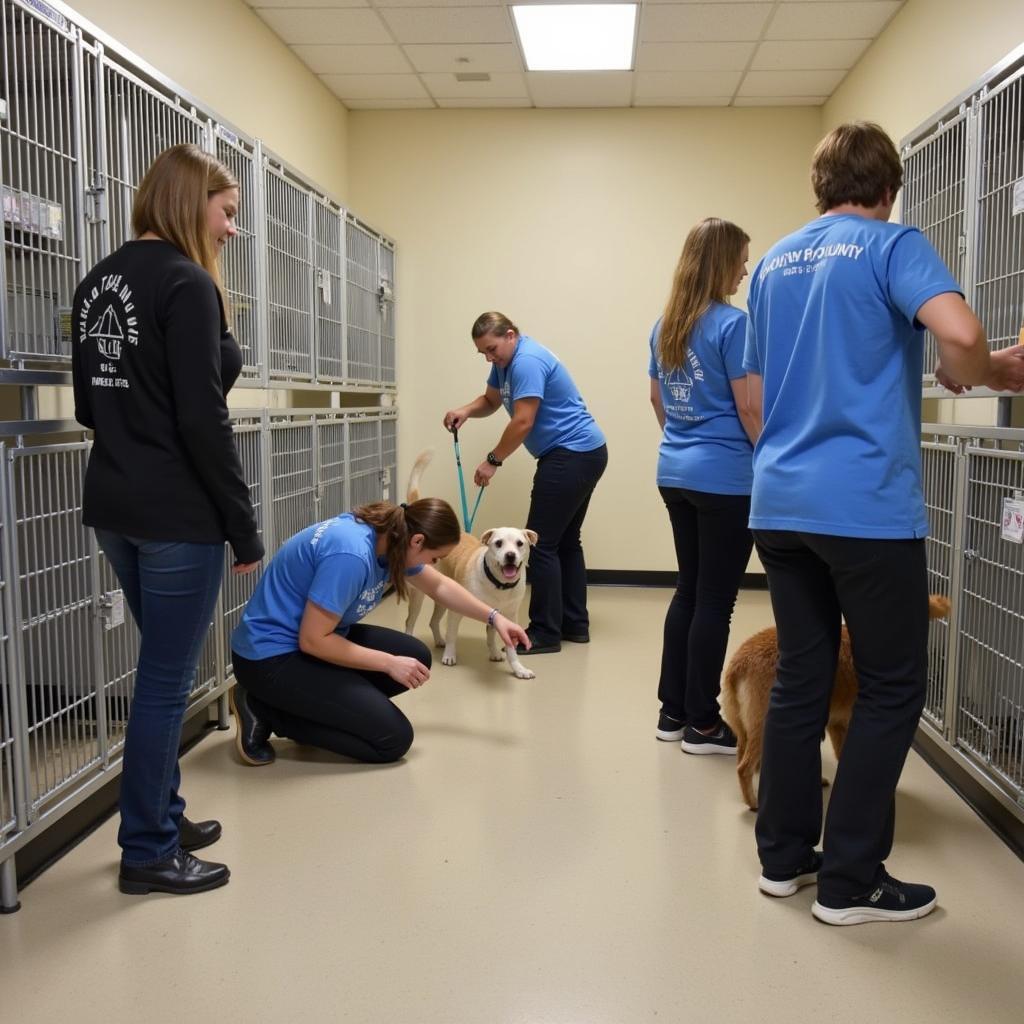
x: 498, y: 583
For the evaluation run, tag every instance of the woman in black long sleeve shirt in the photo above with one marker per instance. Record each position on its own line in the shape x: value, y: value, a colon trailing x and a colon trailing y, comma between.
x: 153, y: 361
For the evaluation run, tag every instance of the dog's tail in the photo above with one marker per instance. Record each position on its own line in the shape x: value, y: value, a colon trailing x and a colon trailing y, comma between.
x: 421, y: 463
x: 938, y: 606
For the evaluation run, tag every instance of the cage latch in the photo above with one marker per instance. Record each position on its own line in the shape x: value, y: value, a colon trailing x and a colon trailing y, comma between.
x: 110, y: 608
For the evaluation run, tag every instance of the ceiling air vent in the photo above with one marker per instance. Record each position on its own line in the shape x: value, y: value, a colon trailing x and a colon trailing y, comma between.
x: 472, y: 76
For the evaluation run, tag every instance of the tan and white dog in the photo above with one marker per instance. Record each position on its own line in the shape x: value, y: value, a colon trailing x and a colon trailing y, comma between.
x: 492, y: 568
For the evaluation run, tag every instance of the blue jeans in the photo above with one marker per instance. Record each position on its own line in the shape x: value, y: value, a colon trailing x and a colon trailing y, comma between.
x: 171, y: 589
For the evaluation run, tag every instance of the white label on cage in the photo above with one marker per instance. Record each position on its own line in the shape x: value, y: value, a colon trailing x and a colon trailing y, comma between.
x: 49, y: 13
x: 386, y: 494
x: 323, y: 280
x: 116, y: 616
x: 1018, y: 197
x: 1013, y: 520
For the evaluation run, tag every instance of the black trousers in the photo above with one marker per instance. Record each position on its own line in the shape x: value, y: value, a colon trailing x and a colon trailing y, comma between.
x: 562, y: 487
x: 713, y: 547
x: 880, y: 587
x: 344, y: 710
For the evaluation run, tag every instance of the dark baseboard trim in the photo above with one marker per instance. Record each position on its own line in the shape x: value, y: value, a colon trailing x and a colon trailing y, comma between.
x: 1007, y: 826
x: 658, y: 578
x: 80, y: 822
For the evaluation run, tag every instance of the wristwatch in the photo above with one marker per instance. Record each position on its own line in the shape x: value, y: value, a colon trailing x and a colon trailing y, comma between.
x: 493, y: 459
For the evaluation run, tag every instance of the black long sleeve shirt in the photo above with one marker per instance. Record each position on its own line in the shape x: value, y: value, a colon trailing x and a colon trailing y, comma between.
x: 152, y: 363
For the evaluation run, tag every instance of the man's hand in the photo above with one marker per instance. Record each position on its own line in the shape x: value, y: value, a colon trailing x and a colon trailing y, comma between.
x: 1006, y: 370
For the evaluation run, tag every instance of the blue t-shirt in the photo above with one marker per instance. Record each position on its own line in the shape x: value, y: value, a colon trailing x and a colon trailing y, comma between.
x: 704, y: 446
x: 562, y: 418
x: 833, y: 334
x: 334, y: 564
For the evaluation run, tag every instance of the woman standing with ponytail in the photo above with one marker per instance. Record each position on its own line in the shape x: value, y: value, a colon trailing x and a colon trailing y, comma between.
x: 308, y: 669
x: 699, y: 394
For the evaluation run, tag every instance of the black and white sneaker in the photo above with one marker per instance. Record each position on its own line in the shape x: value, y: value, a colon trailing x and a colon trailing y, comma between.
x: 721, y: 741
x: 889, y: 900
x: 780, y: 885
x: 669, y: 729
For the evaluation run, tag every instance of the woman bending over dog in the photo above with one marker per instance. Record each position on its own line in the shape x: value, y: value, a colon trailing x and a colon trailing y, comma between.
x: 308, y: 669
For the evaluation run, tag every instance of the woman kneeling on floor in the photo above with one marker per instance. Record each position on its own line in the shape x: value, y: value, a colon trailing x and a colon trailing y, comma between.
x: 308, y: 669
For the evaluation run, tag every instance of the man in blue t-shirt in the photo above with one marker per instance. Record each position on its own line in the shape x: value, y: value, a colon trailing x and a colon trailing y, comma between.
x: 549, y: 417
x: 834, y: 356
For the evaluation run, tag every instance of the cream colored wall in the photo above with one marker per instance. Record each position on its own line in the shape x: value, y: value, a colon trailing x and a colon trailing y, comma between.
x: 225, y: 57
x: 931, y: 52
x: 570, y: 222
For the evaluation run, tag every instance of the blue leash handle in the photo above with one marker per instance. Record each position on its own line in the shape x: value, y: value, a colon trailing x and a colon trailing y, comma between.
x: 467, y: 519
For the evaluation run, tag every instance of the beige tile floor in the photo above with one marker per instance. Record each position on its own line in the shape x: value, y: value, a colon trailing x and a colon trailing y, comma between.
x: 538, y: 859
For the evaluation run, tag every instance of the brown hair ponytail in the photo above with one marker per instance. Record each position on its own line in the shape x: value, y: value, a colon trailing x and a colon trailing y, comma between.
x: 398, y: 524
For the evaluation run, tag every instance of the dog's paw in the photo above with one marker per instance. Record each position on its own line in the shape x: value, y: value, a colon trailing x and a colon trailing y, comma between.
x: 523, y: 673
x: 448, y: 659
x: 496, y: 656
x: 439, y: 642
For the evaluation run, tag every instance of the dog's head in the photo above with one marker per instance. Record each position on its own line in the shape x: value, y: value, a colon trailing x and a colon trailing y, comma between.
x: 507, y: 551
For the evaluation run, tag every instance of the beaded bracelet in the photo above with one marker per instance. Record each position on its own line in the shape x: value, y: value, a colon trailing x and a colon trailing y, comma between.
x: 491, y: 617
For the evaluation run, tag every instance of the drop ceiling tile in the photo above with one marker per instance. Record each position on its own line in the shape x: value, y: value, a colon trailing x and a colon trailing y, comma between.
x: 687, y: 83
x: 262, y: 5
x: 580, y: 88
x: 449, y: 24
x: 791, y: 83
x: 438, y: 3
x: 809, y: 56
x: 685, y: 22
x: 342, y: 26
x: 779, y: 101
x: 447, y: 86
x: 476, y: 57
x: 375, y: 87
x: 420, y: 104
x: 352, y: 60
x: 843, y: 20
x: 682, y: 101
x: 693, y: 56
x: 473, y: 102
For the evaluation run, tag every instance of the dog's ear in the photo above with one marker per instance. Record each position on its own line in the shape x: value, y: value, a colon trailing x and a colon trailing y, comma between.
x: 485, y: 537
x: 531, y: 536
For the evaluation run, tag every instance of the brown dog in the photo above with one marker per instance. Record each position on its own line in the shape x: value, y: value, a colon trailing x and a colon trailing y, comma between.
x: 747, y: 685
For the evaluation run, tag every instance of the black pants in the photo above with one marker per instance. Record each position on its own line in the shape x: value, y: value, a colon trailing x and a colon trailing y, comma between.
x: 713, y: 547
x: 562, y: 486
x: 880, y: 587
x: 344, y: 710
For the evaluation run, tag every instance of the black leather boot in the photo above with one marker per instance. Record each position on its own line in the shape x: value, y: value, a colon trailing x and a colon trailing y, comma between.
x: 194, y: 835
x: 180, y: 874
x: 252, y: 737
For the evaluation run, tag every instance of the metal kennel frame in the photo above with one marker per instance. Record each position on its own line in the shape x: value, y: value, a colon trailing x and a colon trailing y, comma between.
x: 962, y: 173
x: 81, y: 119
x: 975, y: 701
x: 69, y: 646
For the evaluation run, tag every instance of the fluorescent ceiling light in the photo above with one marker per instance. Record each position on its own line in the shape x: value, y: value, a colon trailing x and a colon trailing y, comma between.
x: 577, y: 37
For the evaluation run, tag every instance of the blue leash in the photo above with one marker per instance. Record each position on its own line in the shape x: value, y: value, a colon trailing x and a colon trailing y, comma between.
x: 467, y: 519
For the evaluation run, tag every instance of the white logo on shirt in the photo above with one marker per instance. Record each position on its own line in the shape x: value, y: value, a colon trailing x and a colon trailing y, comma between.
x: 805, y: 261
x: 506, y: 394
x: 110, y: 329
x: 680, y: 385
x: 370, y: 598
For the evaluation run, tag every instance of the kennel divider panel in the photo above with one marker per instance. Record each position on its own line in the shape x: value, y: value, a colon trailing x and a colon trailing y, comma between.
x: 999, y: 295
x: 935, y: 199
x: 42, y: 193
x: 989, y: 725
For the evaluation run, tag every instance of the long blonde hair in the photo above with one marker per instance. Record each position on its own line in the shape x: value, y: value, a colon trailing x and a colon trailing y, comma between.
x: 709, y: 261
x: 172, y: 203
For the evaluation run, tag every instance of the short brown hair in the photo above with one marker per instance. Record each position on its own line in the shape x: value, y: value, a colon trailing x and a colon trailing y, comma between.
x: 492, y: 323
x: 855, y: 163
